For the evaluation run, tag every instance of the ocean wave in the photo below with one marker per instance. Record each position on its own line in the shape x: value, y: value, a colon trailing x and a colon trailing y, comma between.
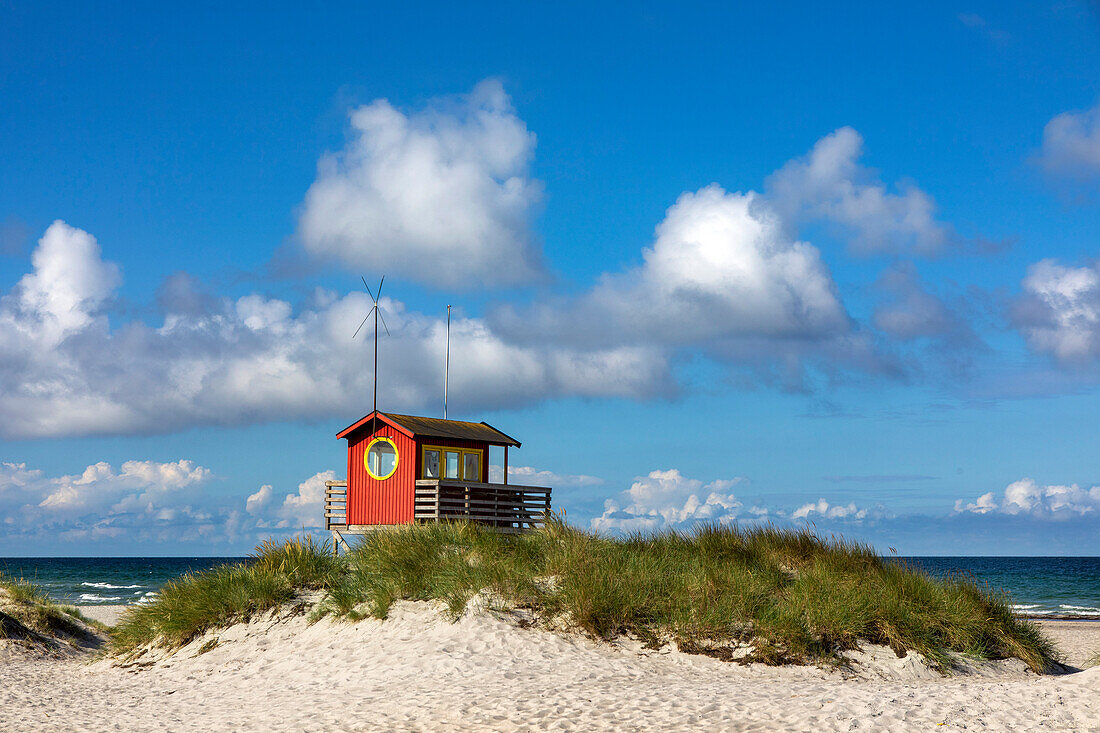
x: 1081, y: 610
x: 146, y: 598
x: 1024, y: 606
x: 96, y: 598
x: 108, y: 586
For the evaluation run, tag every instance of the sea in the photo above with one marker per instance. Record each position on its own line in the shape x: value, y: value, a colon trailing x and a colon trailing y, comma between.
x: 1050, y: 587
x: 105, y: 581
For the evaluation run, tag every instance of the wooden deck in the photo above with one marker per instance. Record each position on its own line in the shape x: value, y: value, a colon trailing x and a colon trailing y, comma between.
x: 504, y: 507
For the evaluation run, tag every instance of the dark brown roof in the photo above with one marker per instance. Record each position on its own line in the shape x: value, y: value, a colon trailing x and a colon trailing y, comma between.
x: 433, y: 427
x: 438, y: 428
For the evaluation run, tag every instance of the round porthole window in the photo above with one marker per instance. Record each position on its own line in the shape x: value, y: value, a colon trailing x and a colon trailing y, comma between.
x: 381, y: 458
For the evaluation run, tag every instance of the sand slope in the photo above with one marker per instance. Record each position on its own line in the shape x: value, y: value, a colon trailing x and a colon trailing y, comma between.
x: 417, y: 671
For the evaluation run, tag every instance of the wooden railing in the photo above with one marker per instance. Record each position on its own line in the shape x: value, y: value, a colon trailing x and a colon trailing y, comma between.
x: 506, y: 507
x: 336, y: 505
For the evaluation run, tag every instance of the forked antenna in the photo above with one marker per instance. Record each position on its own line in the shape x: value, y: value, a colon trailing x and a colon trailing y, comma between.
x: 377, y: 313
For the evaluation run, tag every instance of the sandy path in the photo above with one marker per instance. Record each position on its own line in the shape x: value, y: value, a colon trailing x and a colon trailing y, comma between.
x: 1079, y: 641
x: 103, y: 614
x: 418, y: 672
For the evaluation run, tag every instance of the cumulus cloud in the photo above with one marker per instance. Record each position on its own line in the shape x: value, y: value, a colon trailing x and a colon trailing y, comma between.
x: 667, y: 499
x: 1071, y: 147
x: 441, y: 196
x: 1027, y: 497
x: 305, y: 508
x: 1059, y: 311
x: 720, y: 267
x: 148, y: 501
x: 822, y: 508
x: 65, y: 370
x: 829, y: 184
x: 722, y: 277
x: 141, y: 498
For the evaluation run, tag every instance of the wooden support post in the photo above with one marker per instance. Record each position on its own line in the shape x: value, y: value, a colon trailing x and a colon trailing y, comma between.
x: 505, y: 465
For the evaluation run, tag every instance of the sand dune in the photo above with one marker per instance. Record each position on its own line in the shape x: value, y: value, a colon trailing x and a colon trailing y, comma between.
x: 418, y: 671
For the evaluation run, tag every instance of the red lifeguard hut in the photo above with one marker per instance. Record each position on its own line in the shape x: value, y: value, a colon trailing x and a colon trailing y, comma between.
x: 404, y: 469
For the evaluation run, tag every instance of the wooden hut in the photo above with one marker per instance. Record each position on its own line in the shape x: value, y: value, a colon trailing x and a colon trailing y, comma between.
x: 404, y: 469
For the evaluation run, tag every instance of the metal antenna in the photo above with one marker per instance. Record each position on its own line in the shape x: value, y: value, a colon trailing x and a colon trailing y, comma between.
x: 447, y: 366
x: 377, y: 313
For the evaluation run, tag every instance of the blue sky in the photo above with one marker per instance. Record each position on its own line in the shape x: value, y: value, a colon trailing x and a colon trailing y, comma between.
x: 792, y: 264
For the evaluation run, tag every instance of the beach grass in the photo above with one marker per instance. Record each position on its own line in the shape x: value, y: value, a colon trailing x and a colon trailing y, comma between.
x: 184, y: 608
x: 29, y: 605
x: 789, y: 594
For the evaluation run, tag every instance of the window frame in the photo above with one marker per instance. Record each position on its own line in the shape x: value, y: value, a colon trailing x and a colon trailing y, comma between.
x: 366, y: 457
x: 443, y: 449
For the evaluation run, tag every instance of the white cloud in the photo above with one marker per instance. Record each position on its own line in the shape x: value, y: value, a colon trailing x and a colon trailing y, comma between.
x: 150, y: 502
x: 1027, y: 497
x: 68, y: 284
x: 667, y: 499
x: 142, y: 498
x: 724, y: 278
x: 826, y: 510
x: 529, y: 476
x: 64, y: 370
x: 829, y: 184
x: 1071, y: 146
x: 441, y: 196
x: 1059, y: 312
x: 258, y: 502
x: 721, y: 277
x: 306, y: 507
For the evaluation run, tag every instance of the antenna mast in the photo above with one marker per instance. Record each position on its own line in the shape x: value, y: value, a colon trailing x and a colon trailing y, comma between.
x: 447, y: 365
x: 376, y: 312
x: 375, y: 409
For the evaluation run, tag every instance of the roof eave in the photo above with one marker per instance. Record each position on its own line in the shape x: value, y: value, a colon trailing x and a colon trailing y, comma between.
x: 510, y: 441
x: 364, y: 420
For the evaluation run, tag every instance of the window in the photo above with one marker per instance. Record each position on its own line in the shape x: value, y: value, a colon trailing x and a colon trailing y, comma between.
x: 452, y: 463
x: 381, y: 458
x: 471, y: 466
x: 431, y: 463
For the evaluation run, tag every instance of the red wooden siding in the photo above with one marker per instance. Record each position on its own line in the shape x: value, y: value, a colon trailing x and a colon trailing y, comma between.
x: 389, y: 501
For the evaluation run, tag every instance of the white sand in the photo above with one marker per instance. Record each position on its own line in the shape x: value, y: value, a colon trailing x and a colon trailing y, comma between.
x: 103, y: 614
x: 417, y: 671
x: 1079, y: 641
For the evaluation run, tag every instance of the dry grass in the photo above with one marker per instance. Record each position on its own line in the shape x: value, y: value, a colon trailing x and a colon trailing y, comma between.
x: 794, y: 596
x: 28, y: 615
x: 186, y: 607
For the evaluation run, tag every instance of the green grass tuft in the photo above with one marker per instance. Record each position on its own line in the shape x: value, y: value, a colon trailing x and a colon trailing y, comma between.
x: 188, y: 606
x: 792, y: 595
x: 29, y: 605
